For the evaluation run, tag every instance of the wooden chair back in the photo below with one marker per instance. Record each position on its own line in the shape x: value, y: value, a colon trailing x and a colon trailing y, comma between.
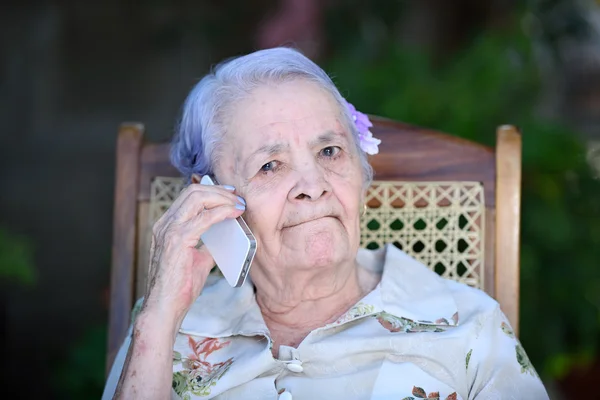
x: 417, y: 170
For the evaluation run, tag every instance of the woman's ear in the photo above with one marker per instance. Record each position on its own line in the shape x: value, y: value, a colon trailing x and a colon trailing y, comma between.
x: 196, y: 178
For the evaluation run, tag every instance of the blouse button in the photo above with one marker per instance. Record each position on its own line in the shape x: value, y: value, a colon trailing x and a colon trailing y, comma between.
x: 285, y: 396
x: 295, y: 366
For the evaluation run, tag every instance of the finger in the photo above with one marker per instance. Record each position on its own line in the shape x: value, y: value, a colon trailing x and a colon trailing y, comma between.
x: 196, y: 203
x: 195, y: 227
x: 200, y: 202
x: 193, y: 201
x: 192, y: 190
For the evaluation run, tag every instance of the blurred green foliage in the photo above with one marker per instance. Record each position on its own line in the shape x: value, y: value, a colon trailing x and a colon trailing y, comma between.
x: 81, y: 375
x: 495, y: 81
x: 16, y: 259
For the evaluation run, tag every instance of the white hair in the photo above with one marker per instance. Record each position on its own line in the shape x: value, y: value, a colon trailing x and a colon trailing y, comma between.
x: 204, y: 117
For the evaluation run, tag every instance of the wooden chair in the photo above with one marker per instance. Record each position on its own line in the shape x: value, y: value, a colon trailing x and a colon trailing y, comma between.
x: 449, y: 193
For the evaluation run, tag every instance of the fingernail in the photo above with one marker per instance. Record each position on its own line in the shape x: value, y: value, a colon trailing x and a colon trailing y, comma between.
x: 229, y: 187
x: 241, y: 200
x: 240, y: 207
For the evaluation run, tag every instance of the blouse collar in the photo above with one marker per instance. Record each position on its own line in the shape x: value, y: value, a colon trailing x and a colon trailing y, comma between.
x: 408, y: 289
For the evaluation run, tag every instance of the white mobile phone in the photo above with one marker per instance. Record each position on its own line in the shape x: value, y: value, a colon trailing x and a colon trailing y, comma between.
x: 231, y: 244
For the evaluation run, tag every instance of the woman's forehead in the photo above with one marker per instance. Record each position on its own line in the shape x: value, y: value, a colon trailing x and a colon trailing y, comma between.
x: 291, y: 113
x: 286, y: 136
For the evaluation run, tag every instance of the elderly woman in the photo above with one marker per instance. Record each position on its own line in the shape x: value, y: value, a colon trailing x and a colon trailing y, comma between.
x: 319, y: 318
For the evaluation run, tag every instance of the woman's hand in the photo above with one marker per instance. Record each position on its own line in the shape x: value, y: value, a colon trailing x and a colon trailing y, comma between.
x: 178, y: 269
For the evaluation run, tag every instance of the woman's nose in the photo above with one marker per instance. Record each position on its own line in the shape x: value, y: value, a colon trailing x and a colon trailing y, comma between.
x: 311, y: 185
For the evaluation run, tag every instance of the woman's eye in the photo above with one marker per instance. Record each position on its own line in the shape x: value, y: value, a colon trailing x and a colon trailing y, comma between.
x: 330, y: 151
x: 270, y: 166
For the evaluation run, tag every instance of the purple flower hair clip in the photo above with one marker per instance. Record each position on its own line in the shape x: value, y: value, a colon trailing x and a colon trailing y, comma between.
x: 368, y: 143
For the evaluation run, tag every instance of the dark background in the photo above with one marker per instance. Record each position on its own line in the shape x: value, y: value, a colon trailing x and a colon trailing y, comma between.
x: 71, y: 71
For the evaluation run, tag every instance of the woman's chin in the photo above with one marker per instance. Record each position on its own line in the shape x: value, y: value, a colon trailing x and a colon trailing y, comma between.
x: 319, y: 244
x: 320, y: 260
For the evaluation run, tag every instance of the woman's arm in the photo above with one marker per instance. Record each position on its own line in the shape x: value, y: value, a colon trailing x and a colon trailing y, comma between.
x: 148, y: 368
x: 177, y: 274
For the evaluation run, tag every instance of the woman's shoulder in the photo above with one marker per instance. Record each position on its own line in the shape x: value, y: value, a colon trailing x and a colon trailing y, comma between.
x: 472, y: 303
x: 411, y: 281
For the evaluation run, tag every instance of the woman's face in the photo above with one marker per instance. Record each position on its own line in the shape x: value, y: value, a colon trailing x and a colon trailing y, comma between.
x: 289, y: 155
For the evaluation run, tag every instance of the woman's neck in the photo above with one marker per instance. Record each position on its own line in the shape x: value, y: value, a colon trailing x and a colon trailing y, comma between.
x: 291, y: 315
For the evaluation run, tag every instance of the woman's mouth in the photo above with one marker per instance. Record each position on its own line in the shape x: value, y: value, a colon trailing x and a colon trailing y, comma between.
x: 307, y: 221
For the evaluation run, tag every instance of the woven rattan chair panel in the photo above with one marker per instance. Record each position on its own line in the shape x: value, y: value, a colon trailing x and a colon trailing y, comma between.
x: 163, y: 191
x: 439, y: 223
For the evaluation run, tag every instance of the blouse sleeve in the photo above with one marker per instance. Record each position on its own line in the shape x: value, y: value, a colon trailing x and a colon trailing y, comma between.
x: 497, y: 365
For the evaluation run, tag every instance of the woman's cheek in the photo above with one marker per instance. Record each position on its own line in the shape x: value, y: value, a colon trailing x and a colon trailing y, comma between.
x: 267, y: 182
x: 345, y: 166
x: 265, y: 199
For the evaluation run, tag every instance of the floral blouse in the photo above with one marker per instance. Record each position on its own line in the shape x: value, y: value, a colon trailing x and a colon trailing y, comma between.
x: 415, y: 336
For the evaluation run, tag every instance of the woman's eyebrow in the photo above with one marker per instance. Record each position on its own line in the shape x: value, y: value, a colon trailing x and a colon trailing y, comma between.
x: 326, y: 137
x: 268, y: 149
